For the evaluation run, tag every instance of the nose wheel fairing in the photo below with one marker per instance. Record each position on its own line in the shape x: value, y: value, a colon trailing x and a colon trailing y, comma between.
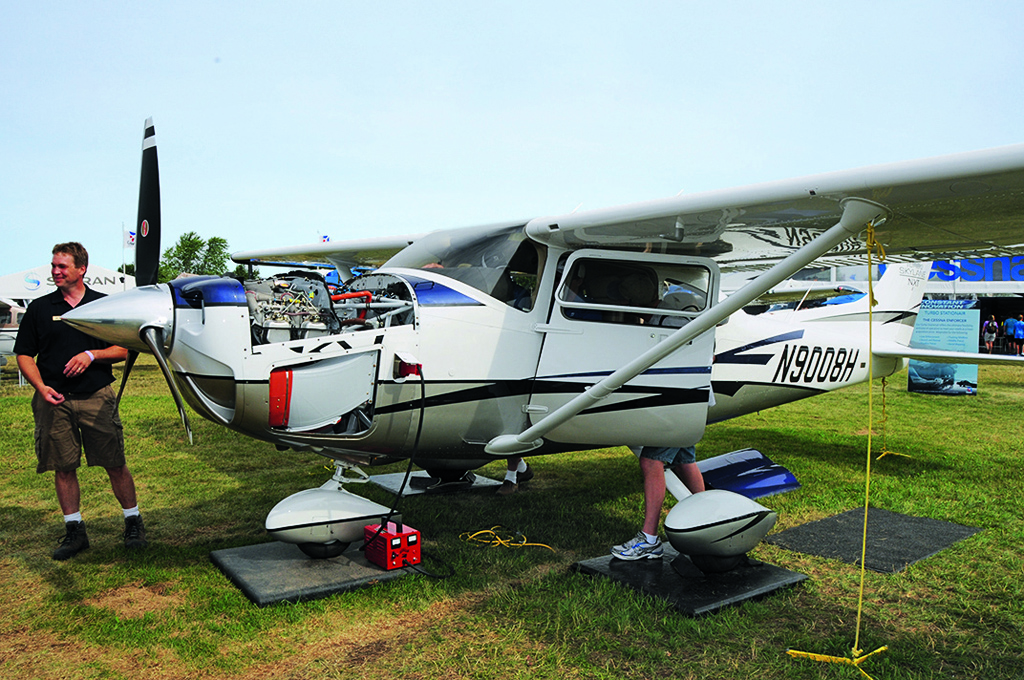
x: 325, y: 520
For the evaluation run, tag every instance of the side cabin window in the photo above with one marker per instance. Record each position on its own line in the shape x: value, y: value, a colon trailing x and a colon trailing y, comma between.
x: 625, y: 292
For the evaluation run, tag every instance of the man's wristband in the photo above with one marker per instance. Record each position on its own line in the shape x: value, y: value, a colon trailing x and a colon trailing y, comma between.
x: 91, y: 357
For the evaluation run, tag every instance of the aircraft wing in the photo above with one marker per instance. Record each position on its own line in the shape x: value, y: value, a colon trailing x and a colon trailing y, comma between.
x: 950, y: 207
x: 941, y: 356
x: 371, y: 252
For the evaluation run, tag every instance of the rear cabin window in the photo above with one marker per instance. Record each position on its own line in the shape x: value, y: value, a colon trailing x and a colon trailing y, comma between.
x: 616, y: 291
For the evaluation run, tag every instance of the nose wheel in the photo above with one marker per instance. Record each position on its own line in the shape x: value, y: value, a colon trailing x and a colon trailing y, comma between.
x: 324, y: 551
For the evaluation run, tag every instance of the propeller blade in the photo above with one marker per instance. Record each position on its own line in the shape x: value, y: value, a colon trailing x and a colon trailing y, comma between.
x: 147, y: 242
x: 132, y: 356
x: 154, y: 338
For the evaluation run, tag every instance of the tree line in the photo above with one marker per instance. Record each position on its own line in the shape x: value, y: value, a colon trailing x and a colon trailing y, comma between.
x: 192, y: 254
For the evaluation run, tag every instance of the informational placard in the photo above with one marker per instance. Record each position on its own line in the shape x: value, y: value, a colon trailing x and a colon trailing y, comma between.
x: 948, y: 325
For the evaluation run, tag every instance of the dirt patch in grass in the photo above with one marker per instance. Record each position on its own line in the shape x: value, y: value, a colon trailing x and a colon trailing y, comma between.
x: 30, y: 653
x: 134, y: 600
x: 37, y: 654
x: 357, y: 649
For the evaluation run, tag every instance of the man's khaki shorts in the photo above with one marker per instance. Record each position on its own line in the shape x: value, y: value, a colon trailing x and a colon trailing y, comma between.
x: 82, y: 421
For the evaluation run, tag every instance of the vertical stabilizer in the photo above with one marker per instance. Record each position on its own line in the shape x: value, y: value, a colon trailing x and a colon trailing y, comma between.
x: 898, y: 297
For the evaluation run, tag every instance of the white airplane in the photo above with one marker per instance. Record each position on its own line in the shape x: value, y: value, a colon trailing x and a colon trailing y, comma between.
x: 10, y: 317
x: 572, y: 332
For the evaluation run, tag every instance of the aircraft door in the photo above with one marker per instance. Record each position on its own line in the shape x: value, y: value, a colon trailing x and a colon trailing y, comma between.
x: 609, y: 308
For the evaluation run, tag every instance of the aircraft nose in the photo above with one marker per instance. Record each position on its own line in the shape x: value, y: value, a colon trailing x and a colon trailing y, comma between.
x: 121, y: 317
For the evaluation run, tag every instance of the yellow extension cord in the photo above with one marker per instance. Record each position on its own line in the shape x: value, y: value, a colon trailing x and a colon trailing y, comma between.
x: 505, y: 539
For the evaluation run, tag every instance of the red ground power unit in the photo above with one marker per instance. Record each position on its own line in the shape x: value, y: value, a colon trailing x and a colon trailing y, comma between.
x: 398, y: 545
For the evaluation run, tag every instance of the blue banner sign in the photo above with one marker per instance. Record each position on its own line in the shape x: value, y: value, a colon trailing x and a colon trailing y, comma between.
x: 979, y: 269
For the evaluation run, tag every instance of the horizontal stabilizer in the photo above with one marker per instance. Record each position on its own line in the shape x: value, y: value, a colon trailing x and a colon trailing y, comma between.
x: 942, y: 356
x: 747, y: 472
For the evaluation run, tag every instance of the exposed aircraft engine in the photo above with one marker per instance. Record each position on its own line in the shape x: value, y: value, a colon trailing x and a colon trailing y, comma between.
x: 298, y: 305
x: 295, y: 306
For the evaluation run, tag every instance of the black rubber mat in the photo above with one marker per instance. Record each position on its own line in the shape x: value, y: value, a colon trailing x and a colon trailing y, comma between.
x: 268, y: 573
x: 894, y: 541
x: 674, y: 579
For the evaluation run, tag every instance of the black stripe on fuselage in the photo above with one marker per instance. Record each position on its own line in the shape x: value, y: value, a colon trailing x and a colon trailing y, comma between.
x: 648, y: 397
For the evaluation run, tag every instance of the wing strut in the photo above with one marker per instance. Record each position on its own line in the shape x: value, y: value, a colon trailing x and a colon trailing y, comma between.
x: 857, y: 212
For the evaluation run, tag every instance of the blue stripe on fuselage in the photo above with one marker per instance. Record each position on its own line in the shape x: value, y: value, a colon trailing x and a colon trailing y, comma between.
x: 735, y: 356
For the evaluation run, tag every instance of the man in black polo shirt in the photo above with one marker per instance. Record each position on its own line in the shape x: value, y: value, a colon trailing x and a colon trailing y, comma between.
x: 74, y: 405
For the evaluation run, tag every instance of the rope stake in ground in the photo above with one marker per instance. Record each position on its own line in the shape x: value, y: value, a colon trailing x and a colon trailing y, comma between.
x: 855, y: 662
x: 857, y: 655
x: 885, y: 430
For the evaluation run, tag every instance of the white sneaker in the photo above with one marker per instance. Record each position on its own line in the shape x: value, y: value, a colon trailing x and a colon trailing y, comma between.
x: 638, y: 548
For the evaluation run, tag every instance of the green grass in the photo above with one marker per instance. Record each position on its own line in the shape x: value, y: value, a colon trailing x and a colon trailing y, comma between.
x: 520, y: 613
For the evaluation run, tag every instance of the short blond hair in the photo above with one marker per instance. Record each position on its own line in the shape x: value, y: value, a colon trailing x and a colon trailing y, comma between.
x: 76, y: 250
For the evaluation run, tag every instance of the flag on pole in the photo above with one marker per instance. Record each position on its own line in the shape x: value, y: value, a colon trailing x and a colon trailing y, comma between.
x: 129, y: 238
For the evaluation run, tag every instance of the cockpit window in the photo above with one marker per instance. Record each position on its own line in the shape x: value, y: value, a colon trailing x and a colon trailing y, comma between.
x: 500, y: 261
x: 616, y: 291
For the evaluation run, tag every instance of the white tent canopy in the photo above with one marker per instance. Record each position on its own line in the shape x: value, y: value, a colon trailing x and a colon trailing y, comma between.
x: 36, y: 282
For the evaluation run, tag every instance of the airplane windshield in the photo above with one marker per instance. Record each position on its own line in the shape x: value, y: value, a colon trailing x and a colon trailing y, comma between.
x: 500, y: 261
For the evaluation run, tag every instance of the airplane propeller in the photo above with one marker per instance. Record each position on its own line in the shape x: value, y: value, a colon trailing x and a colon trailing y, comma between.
x: 147, y: 245
x: 147, y: 266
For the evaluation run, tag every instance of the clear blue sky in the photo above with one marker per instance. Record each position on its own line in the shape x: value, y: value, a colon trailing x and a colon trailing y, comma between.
x: 277, y: 122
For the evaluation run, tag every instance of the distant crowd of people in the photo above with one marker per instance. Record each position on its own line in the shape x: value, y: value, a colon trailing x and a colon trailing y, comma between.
x: 1011, y: 330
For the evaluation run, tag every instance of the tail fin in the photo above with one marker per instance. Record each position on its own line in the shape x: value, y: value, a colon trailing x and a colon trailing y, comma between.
x: 902, y: 286
x: 897, y: 295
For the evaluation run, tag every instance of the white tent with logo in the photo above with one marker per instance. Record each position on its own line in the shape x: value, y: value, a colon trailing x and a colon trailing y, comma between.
x: 36, y: 282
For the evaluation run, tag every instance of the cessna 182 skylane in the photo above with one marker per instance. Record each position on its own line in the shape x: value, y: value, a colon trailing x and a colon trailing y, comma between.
x: 592, y: 329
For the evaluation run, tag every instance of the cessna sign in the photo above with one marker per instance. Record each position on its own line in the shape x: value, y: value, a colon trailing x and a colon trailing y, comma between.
x: 979, y: 276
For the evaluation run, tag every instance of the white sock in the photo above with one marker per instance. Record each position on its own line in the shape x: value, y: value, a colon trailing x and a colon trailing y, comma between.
x: 73, y: 517
x: 511, y: 476
x: 522, y: 466
x: 130, y: 512
x: 650, y: 538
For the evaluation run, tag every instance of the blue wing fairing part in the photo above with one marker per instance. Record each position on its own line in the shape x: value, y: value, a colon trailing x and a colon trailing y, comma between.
x: 747, y: 472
